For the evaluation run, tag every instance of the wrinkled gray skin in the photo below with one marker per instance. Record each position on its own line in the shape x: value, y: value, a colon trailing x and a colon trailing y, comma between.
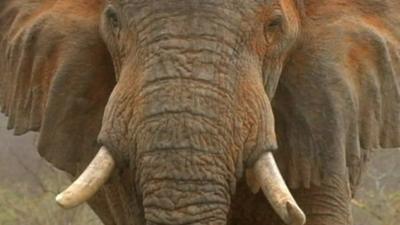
x: 189, y: 110
x: 186, y: 87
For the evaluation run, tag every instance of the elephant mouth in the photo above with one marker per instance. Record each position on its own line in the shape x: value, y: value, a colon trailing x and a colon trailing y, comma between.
x: 264, y: 175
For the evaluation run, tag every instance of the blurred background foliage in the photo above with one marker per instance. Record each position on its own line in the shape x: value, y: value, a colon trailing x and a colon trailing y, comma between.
x: 28, y: 185
x: 377, y: 201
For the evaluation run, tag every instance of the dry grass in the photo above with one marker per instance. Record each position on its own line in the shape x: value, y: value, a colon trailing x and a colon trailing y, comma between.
x: 32, y: 203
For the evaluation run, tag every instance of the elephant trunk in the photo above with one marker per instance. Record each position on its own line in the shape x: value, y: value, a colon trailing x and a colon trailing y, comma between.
x: 184, y: 169
x: 182, y: 186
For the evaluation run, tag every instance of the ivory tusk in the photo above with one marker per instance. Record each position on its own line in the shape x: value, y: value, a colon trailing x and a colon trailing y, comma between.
x: 89, y: 182
x: 275, y: 189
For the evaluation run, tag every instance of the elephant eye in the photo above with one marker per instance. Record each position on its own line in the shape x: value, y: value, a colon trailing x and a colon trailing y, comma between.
x: 272, y: 28
x: 112, y: 16
x: 275, y: 22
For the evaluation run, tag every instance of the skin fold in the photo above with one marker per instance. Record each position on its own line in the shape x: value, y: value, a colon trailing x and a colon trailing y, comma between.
x: 188, y: 94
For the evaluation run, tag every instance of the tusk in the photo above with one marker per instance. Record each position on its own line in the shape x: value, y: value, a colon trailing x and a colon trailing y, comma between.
x: 274, y: 187
x: 89, y: 182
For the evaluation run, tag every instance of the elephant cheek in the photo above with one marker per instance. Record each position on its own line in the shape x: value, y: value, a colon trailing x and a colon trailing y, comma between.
x: 258, y: 124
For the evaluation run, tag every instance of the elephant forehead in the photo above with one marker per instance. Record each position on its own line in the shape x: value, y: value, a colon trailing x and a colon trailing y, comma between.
x: 233, y: 12
x: 194, y: 5
x: 178, y: 25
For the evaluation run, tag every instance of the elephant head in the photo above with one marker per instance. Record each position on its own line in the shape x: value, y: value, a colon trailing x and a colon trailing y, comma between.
x: 191, y: 108
x: 190, y: 111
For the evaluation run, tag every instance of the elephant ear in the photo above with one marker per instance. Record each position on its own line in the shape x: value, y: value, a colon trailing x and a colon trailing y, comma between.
x: 55, y: 76
x: 337, y: 101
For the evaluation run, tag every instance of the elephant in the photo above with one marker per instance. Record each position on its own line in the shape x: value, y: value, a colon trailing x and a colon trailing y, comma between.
x: 205, y: 111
